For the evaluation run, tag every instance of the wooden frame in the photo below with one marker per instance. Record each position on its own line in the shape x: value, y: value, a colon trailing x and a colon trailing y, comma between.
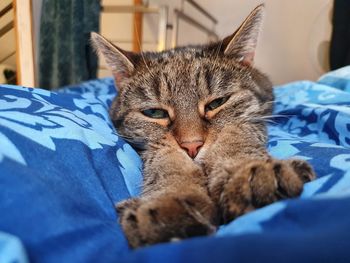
x: 162, y: 11
x: 24, y: 40
x: 137, y: 28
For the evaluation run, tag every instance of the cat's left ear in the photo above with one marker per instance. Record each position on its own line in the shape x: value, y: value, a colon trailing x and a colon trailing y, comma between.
x: 121, y: 62
x: 243, y: 42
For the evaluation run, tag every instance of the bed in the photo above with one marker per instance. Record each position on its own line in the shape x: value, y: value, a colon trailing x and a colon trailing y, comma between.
x: 63, y: 167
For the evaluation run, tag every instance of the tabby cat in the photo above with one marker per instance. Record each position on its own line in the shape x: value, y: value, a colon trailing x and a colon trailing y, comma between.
x: 196, y: 115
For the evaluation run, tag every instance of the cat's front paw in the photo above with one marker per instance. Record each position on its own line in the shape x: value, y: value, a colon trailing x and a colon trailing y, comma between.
x: 238, y: 189
x: 168, y: 217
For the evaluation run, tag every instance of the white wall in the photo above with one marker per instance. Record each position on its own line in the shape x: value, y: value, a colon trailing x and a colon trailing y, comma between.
x: 295, y: 38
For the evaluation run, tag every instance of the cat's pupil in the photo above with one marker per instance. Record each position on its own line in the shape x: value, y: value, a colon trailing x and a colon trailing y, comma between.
x: 156, y: 113
x: 215, y: 103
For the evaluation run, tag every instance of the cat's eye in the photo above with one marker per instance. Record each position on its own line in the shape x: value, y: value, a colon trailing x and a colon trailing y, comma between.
x: 156, y: 113
x: 215, y: 103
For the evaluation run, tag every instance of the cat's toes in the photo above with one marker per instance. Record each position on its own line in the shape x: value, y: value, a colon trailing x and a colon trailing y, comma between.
x: 302, y: 169
x: 247, y: 186
x: 253, y: 184
x: 166, y: 218
x: 128, y: 218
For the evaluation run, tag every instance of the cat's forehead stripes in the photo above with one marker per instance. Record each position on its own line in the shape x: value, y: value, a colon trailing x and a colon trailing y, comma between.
x: 188, y: 80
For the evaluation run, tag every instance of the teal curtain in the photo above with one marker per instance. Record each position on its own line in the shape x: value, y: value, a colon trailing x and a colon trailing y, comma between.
x: 65, y: 54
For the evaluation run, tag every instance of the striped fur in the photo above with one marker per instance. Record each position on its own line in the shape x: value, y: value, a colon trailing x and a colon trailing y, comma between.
x: 231, y: 174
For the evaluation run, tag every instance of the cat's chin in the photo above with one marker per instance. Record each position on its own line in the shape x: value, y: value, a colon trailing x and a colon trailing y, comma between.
x: 199, y: 159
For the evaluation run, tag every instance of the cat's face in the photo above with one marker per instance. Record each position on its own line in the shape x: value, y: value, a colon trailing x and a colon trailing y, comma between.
x: 184, y: 98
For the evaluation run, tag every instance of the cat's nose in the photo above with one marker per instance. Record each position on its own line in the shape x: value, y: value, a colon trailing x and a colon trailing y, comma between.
x: 192, y: 147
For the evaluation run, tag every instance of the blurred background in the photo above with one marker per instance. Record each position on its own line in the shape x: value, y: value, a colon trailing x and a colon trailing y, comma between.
x: 297, y: 41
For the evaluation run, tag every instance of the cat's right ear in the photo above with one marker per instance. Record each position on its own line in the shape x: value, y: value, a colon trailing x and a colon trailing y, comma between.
x: 118, y: 60
x: 243, y: 42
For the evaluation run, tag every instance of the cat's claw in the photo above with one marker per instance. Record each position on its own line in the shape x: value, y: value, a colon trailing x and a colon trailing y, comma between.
x: 168, y: 217
x: 238, y: 189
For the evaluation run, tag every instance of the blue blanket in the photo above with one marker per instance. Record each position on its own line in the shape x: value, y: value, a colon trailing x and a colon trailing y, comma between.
x: 63, y: 167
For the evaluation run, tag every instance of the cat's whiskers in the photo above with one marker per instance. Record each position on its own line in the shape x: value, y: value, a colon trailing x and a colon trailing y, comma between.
x: 141, y: 52
x: 138, y: 143
x: 124, y: 136
x: 139, y: 187
x: 267, y: 118
x: 277, y: 116
x: 257, y: 120
x: 144, y: 61
x: 217, y: 53
x: 269, y: 102
x: 154, y: 146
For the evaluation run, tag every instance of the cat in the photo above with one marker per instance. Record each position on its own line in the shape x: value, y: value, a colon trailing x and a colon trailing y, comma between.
x: 197, y: 116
